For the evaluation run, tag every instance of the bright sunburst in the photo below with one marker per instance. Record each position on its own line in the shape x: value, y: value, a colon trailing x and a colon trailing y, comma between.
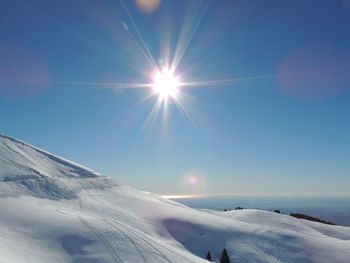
x: 166, y: 84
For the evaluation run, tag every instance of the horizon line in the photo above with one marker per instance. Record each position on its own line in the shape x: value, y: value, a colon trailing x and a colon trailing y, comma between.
x: 183, y: 196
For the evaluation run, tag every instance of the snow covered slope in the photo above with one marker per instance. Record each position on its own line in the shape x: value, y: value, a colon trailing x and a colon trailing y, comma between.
x: 52, y: 210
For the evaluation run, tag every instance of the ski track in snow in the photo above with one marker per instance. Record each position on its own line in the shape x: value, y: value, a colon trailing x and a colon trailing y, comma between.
x: 127, y: 237
x: 100, y: 236
x: 266, y: 243
x: 116, y: 226
x: 114, y: 254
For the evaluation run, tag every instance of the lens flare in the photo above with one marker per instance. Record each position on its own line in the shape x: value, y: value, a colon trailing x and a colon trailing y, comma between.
x: 148, y: 6
x: 23, y: 74
x: 322, y: 73
x: 192, y: 179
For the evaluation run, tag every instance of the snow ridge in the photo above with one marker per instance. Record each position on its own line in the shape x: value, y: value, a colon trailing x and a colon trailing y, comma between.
x: 56, y: 211
x: 24, y: 161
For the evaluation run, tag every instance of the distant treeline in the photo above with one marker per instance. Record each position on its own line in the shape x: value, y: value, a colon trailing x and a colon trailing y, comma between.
x: 296, y: 215
x: 311, y: 218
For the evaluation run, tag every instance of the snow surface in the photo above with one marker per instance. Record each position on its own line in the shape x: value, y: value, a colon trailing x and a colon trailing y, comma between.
x: 52, y: 210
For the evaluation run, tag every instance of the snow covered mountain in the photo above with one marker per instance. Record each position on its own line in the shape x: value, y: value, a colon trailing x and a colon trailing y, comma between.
x: 53, y: 210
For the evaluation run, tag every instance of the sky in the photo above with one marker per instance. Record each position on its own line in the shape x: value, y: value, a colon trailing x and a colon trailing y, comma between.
x: 263, y: 107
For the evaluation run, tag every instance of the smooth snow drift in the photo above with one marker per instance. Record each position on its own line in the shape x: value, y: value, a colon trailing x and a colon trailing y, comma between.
x: 52, y: 210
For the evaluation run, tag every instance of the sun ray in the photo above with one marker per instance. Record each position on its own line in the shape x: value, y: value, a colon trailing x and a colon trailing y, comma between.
x: 190, y: 120
x: 186, y: 36
x: 145, y: 49
x: 154, y: 113
x: 202, y: 83
x: 220, y: 82
x: 197, y: 63
x: 94, y: 43
x: 111, y: 85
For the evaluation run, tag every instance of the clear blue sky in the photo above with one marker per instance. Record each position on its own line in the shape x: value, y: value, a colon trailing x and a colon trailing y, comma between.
x: 282, y: 127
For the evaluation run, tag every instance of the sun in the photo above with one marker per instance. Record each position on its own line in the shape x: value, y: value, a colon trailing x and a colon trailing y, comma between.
x: 166, y: 85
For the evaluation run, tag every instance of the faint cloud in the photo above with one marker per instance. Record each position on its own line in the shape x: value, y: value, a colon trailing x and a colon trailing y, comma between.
x: 147, y: 6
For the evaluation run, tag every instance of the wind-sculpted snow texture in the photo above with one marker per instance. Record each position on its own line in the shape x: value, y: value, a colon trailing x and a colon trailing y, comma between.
x: 52, y: 210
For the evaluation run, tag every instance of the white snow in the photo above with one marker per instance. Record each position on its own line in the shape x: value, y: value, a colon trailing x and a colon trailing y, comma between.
x: 52, y: 210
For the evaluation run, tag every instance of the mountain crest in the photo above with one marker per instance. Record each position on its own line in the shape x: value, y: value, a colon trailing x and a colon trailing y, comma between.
x: 21, y: 161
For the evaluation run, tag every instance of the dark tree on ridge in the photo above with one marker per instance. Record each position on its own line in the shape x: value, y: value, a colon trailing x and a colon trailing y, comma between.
x: 208, y: 256
x: 224, y: 257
